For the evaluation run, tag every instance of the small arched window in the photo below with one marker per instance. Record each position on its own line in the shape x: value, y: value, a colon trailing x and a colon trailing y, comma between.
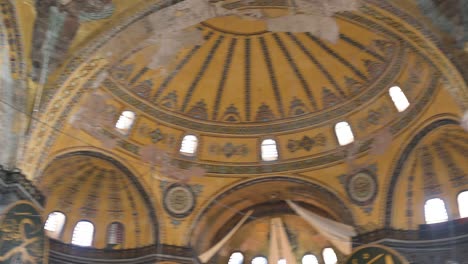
x: 463, y: 204
x: 399, y: 98
x: 189, y: 145
x: 236, y: 258
x: 115, y: 233
x: 259, y: 260
x: 54, y: 224
x: 125, y: 122
x: 83, y: 234
x: 309, y: 259
x: 435, y: 211
x: 329, y: 256
x: 282, y: 261
x: 344, y: 134
x: 269, y: 150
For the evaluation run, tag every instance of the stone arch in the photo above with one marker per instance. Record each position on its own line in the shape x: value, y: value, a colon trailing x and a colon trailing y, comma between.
x: 129, y: 178
x: 224, y: 210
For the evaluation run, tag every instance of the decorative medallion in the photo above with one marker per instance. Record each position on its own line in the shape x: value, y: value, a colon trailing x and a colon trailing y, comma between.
x: 376, y: 254
x: 362, y: 187
x: 179, y: 200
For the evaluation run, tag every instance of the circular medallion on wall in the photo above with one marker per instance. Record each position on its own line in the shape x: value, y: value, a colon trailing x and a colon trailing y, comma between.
x: 179, y: 200
x: 375, y: 254
x: 362, y: 187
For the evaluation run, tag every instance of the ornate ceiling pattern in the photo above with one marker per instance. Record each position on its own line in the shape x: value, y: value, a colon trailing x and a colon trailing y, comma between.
x: 90, y: 186
x: 262, y: 195
x: 200, y: 92
x: 433, y: 168
x: 238, y: 83
x: 260, y: 77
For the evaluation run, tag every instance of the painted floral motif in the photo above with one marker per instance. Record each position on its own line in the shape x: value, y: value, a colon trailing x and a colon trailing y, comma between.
x: 264, y: 114
x: 297, y: 107
x: 231, y: 114
x: 307, y: 143
x: 199, y: 110
x: 229, y: 149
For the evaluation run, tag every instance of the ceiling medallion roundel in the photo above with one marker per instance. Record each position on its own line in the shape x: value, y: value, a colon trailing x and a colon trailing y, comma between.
x: 362, y: 187
x: 179, y: 200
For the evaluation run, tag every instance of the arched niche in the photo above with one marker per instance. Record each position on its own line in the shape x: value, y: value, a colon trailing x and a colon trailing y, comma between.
x: 89, y: 186
x: 266, y: 196
x: 432, y: 165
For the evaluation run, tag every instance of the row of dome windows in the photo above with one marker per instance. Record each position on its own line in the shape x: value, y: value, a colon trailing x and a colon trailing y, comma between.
x: 436, y: 212
x: 328, y: 254
x: 83, y: 232
x: 269, y: 150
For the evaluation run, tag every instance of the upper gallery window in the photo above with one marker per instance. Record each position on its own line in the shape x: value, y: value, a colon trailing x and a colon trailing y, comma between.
x: 83, y: 234
x: 269, y: 150
x: 125, y: 122
x: 463, y: 204
x: 329, y: 256
x: 115, y: 234
x: 259, y: 260
x: 54, y: 224
x: 434, y: 211
x: 309, y: 259
x: 344, y: 134
x: 236, y: 258
x: 399, y: 98
x: 282, y: 261
x: 189, y: 145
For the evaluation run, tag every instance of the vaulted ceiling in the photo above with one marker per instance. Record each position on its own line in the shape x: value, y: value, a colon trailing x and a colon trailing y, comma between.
x: 236, y: 84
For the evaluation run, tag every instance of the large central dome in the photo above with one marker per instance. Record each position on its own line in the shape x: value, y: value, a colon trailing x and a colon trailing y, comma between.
x: 246, y: 75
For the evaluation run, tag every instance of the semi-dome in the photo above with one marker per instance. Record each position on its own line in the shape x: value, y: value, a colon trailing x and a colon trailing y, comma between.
x: 90, y: 187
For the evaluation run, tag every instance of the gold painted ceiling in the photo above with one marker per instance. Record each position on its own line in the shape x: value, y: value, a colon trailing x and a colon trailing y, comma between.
x: 242, y: 84
x: 86, y: 186
x: 245, y: 75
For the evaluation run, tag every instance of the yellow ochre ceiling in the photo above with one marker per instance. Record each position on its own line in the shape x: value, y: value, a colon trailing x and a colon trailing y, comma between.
x: 244, y: 74
x: 242, y: 84
x: 88, y: 186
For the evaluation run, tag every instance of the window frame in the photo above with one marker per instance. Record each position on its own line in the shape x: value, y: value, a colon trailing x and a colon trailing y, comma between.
x: 125, y: 131
x: 394, y: 100
x: 259, y: 256
x: 276, y: 146
x: 445, y: 207
x: 197, y: 146
x: 458, y: 203
x: 323, y: 255
x: 311, y: 254
x: 108, y: 233
x: 92, y: 235
x: 57, y: 235
x: 338, y: 138
x: 234, y: 252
